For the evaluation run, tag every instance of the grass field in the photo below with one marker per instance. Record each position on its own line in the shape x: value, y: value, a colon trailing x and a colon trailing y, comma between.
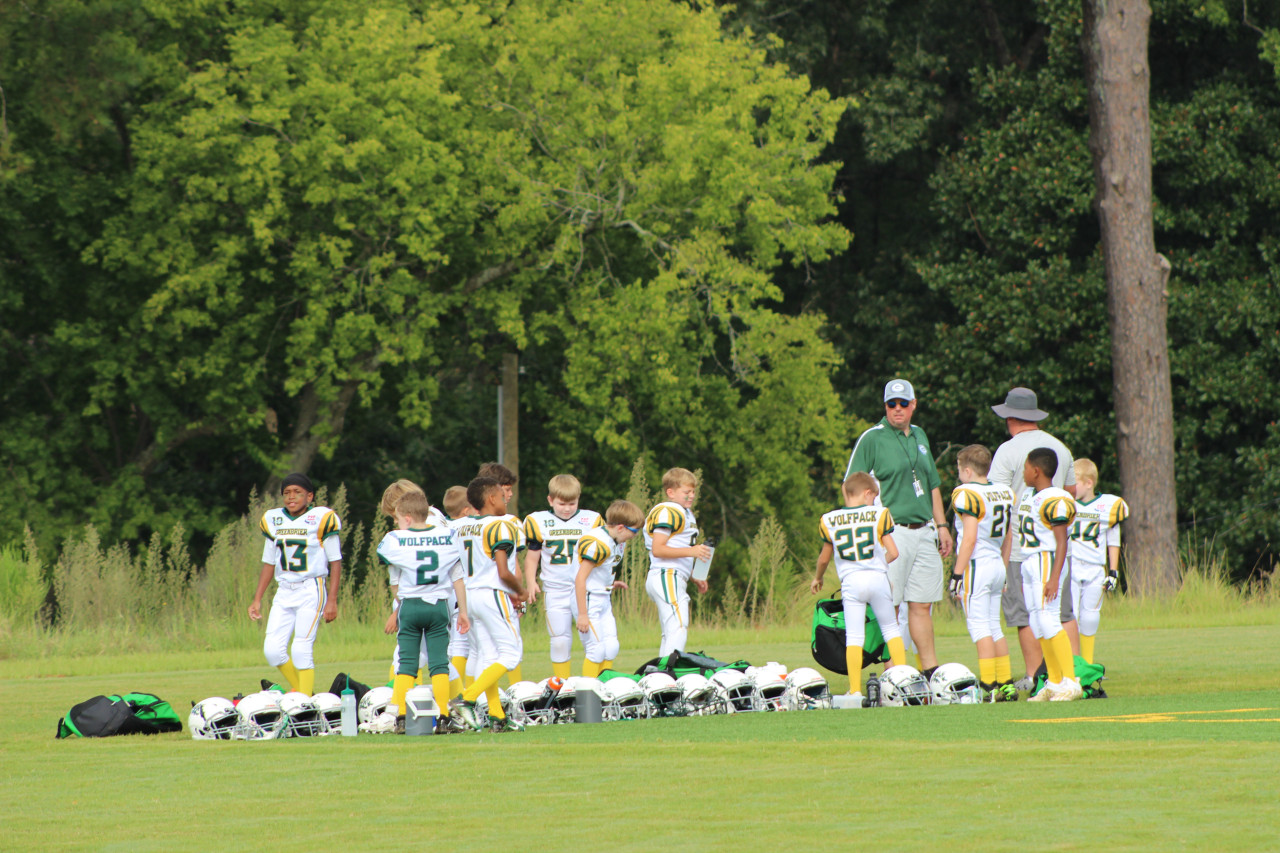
x: 1182, y: 756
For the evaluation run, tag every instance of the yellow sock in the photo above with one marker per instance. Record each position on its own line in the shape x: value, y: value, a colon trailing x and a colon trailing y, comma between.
x: 484, y: 681
x: 1004, y: 671
x: 455, y: 687
x: 306, y: 681
x: 919, y: 662
x: 1062, y: 648
x: 391, y: 673
x: 1051, y: 664
x: 987, y: 670
x: 589, y: 669
x: 562, y: 669
x: 400, y: 685
x: 606, y: 665
x: 897, y: 651
x: 517, y: 674
x: 440, y: 690
x: 853, y: 659
x: 495, y: 703
x: 290, y: 673
x: 1086, y: 646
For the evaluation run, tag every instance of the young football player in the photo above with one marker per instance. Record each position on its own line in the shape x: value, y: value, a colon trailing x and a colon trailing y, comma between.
x: 394, y: 492
x: 600, y: 550
x: 302, y: 550
x: 669, y: 532
x: 459, y: 511
x: 551, y: 537
x: 425, y: 566
x: 507, y: 480
x: 859, y: 536
x: 1095, y: 551
x: 983, y: 513
x: 493, y: 593
x: 1045, y: 514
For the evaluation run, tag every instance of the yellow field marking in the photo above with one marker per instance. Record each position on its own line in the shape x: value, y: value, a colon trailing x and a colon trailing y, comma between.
x: 1164, y: 717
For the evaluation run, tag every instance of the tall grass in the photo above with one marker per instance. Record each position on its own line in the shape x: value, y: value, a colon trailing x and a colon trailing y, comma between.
x: 98, y: 600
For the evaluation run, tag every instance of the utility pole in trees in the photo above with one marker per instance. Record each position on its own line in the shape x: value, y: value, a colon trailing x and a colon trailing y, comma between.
x: 1118, y: 76
x: 509, y: 423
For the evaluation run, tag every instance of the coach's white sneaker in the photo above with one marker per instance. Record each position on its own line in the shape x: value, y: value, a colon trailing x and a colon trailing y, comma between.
x: 1069, y: 691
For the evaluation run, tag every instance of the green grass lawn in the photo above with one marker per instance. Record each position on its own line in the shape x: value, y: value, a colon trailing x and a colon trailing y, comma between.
x: 1182, y: 756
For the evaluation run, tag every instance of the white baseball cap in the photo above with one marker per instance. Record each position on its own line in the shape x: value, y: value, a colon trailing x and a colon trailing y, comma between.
x: 899, y: 389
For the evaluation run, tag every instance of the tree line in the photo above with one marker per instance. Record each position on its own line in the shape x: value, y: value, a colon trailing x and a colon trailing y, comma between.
x: 240, y: 238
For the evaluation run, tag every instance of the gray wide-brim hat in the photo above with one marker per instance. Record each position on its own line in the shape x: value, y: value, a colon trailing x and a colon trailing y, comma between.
x: 1020, y: 403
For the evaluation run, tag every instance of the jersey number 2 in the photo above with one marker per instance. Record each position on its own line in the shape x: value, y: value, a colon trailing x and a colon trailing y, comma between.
x: 428, y: 569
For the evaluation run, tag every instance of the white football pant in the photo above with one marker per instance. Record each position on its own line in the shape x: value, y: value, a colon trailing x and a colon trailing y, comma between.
x: 668, y: 591
x: 860, y: 589
x: 295, y: 611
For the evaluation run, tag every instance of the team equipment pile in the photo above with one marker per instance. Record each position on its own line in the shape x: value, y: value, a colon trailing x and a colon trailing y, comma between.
x: 738, y: 688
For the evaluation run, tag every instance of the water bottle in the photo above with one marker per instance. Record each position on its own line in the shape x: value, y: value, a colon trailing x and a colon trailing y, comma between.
x: 873, y: 693
x: 348, y: 713
x: 548, y: 698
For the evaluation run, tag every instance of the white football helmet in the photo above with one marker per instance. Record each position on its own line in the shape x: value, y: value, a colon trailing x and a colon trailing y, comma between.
x: 526, y: 704
x: 664, y: 695
x: 214, y: 718
x: 955, y: 684
x: 302, y: 717
x: 699, y: 695
x: 807, y: 689
x: 628, y: 699
x: 374, y: 703
x: 737, y: 691
x: 329, y: 706
x: 260, y: 717
x: 770, y: 687
x: 903, y: 685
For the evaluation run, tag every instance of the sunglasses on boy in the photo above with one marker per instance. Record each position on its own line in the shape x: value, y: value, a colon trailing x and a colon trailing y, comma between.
x: 632, y: 529
x: 893, y: 404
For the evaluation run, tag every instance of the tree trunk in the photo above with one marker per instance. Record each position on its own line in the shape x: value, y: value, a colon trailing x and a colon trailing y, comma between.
x: 306, y: 439
x: 1115, y: 57
x: 510, y: 438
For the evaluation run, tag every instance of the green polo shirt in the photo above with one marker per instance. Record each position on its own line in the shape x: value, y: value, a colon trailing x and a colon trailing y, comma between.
x: 897, y: 460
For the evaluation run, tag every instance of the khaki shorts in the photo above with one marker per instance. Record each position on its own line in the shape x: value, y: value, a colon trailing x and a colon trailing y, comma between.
x: 917, y: 573
x: 1015, y: 609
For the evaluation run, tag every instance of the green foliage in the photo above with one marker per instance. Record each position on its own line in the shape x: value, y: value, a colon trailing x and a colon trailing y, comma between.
x: 23, y: 586
x: 331, y: 214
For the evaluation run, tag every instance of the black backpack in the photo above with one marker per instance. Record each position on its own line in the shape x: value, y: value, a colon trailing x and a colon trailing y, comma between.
x: 130, y: 714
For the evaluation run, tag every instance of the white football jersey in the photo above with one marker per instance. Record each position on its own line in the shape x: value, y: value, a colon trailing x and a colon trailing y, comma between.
x: 992, y: 506
x: 856, y: 536
x: 597, y: 546
x: 422, y: 562
x: 1097, y: 526
x: 683, y: 527
x: 482, y: 539
x: 556, y: 541
x: 1038, y: 513
x: 301, y: 548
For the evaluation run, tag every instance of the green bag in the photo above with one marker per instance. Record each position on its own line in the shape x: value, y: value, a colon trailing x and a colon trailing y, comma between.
x: 680, y: 663
x: 827, y: 639
x: 132, y: 713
